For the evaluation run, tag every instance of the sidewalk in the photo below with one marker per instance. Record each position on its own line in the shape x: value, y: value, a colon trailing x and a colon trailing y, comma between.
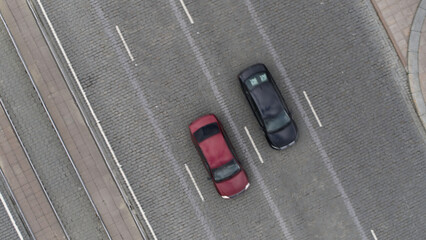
x: 404, y: 21
x: 72, y: 128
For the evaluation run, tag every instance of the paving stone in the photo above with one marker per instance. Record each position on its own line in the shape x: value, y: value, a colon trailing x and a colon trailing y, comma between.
x: 7, y: 230
x: 44, y: 148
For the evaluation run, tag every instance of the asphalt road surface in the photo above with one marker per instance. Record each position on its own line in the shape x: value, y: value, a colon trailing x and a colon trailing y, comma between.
x: 358, y: 166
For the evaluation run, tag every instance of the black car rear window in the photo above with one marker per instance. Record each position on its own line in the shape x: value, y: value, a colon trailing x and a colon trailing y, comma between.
x: 206, y: 132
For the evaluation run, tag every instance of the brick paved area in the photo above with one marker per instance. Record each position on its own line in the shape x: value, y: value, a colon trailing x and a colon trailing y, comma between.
x: 398, y: 18
x: 398, y: 15
x: 43, y: 146
x: 25, y: 186
x: 70, y: 123
x: 7, y: 230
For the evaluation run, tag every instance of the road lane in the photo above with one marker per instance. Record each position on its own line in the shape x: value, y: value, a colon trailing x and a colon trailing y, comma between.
x: 231, y: 56
x: 324, y: 156
x: 355, y: 77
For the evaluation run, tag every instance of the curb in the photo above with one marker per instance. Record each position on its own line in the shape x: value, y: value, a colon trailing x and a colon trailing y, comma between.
x: 389, y: 33
x: 413, y: 62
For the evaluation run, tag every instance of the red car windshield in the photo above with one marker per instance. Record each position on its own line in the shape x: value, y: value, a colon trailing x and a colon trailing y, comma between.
x: 226, y: 171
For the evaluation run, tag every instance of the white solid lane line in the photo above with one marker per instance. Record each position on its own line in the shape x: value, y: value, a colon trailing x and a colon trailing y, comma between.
x: 312, y: 108
x: 77, y: 80
x: 186, y: 11
x: 124, y: 43
x: 11, y: 217
x: 254, y: 145
x: 195, y: 184
x: 374, y: 235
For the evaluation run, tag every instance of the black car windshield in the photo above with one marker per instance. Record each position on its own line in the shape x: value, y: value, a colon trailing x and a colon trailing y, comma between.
x: 255, y: 80
x: 277, y: 122
x: 226, y: 171
x: 206, y: 132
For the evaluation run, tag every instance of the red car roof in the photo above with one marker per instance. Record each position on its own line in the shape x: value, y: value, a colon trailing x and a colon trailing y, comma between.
x: 215, y: 149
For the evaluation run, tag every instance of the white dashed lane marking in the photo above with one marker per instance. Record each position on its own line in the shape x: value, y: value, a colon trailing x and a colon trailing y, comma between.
x: 124, y: 43
x: 254, y: 145
x: 312, y: 108
x: 374, y: 235
x: 186, y: 11
x: 195, y: 184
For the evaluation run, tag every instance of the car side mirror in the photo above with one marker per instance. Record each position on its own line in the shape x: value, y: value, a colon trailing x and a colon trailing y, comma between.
x: 209, y: 178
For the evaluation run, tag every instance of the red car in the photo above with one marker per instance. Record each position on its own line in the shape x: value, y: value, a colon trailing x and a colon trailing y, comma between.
x: 218, y: 156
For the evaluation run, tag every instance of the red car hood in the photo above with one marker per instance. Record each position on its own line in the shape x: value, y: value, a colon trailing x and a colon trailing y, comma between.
x: 232, y: 186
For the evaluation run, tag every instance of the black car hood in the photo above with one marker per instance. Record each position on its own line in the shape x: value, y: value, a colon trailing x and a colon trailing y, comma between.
x: 283, y: 137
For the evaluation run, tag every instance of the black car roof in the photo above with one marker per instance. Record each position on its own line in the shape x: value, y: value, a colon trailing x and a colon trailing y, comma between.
x: 267, y: 100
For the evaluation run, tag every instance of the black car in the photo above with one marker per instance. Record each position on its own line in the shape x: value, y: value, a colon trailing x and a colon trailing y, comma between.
x: 268, y: 106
